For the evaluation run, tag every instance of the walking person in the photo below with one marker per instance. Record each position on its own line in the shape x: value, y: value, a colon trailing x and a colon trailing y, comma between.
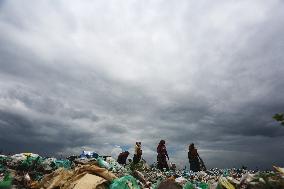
x: 162, y: 156
x: 193, y: 158
x: 137, y: 153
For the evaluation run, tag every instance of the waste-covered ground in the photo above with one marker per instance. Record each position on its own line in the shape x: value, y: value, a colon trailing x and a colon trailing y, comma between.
x: 90, y: 171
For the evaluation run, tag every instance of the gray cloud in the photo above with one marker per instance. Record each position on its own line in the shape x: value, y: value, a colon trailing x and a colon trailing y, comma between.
x: 96, y: 74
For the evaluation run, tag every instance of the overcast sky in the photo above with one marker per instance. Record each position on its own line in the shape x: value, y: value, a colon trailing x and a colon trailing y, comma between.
x: 100, y: 75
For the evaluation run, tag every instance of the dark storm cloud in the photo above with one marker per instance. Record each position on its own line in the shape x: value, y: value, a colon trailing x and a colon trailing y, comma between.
x: 19, y: 133
x: 98, y: 75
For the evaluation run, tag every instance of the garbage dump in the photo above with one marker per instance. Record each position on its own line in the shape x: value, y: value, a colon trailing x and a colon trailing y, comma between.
x: 89, y: 170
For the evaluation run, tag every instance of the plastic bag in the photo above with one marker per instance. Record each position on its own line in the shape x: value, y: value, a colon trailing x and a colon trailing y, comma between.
x: 2, y: 168
x: 188, y: 185
x: 203, y: 185
x: 126, y: 182
x: 61, y: 163
x: 30, y: 163
x: 103, y: 163
x: 6, y: 183
x: 181, y: 180
x: 225, y: 183
x: 114, y: 165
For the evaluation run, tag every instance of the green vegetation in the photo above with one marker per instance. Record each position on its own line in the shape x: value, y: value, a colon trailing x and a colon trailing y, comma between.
x: 279, y: 118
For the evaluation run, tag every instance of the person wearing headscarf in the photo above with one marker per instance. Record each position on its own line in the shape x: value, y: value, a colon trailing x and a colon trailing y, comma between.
x: 193, y: 158
x: 162, y: 156
x: 137, y: 153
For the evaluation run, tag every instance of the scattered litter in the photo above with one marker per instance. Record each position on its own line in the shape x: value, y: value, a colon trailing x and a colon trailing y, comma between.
x: 92, y: 171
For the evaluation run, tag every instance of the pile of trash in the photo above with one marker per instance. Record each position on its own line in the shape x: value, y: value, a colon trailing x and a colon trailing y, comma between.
x: 89, y: 170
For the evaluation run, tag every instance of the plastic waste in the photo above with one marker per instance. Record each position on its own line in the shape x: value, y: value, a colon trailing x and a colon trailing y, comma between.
x: 203, y: 185
x: 225, y: 173
x: 188, y: 185
x: 19, y: 157
x: 3, y: 159
x: 280, y: 170
x: 103, y: 163
x: 155, y: 185
x: 27, y: 177
x: 30, y: 162
x: 89, y: 154
x: 225, y: 183
x: 6, y: 183
x: 126, y: 182
x: 31, y: 170
x: 61, y: 163
x: 47, y: 164
x: 114, y: 165
x: 181, y: 180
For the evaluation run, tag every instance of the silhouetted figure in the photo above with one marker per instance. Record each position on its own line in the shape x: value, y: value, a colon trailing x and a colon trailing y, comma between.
x: 162, y: 156
x: 137, y: 153
x: 122, y: 157
x: 193, y: 158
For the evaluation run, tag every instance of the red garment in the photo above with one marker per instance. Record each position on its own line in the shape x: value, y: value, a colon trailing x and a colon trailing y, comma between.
x: 193, y: 153
x: 162, y: 150
x: 162, y: 157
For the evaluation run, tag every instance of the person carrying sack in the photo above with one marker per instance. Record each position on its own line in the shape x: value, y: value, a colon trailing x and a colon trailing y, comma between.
x: 193, y: 158
x: 202, y: 165
x: 162, y: 156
